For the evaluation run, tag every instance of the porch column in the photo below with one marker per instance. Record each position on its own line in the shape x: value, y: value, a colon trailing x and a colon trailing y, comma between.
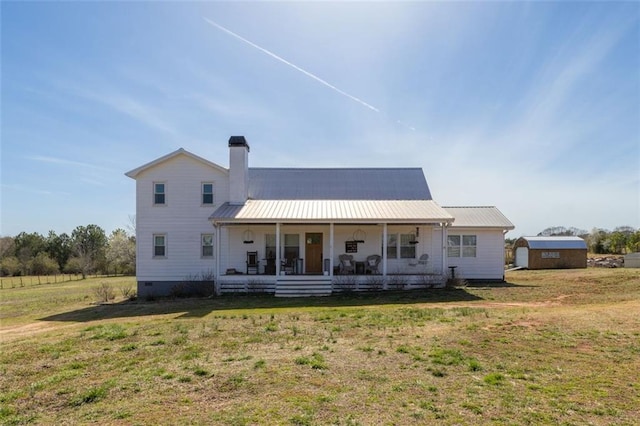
x: 331, y: 232
x: 444, y: 250
x: 277, y: 250
x: 384, y: 254
x: 216, y: 287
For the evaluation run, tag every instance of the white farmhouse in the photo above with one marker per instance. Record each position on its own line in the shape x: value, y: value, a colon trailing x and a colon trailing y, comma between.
x: 303, y: 231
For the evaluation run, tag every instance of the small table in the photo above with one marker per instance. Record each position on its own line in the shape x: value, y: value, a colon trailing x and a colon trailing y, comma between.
x: 359, y: 268
x: 453, y: 271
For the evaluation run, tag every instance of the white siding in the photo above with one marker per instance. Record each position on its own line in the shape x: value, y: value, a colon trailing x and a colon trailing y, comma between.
x: 489, y: 261
x: 183, y: 219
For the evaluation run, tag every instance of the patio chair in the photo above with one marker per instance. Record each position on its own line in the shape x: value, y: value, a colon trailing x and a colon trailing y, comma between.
x: 252, y: 263
x: 347, y: 266
x: 371, y: 264
x: 422, y: 261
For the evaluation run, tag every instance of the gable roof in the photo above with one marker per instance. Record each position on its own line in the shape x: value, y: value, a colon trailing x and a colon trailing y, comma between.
x: 555, y: 242
x: 133, y: 174
x: 345, y: 211
x: 338, y: 184
x: 478, y: 217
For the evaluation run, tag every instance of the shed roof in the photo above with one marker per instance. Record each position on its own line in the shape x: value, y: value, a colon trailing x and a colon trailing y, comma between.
x: 338, y: 184
x: 555, y: 242
x: 353, y: 211
x: 478, y: 217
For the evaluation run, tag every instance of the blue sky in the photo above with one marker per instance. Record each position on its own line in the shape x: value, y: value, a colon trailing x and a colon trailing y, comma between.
x: 532, y: 107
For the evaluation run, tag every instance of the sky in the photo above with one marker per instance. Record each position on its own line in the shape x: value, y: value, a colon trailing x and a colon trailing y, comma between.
x: 530, y: 107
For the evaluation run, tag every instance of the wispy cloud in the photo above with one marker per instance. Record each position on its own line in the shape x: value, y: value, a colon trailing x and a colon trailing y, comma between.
x: 30, y: 190
x: 65, y: 162
x: 294, y: 66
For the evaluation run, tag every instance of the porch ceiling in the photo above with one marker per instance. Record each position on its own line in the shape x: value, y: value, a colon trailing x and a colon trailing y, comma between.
x: 323, y: 211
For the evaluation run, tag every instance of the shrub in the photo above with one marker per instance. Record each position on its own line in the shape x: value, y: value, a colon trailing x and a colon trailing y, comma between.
x: 128, y: 292
x: 345, y: 283
x: 457, y: 282
x: 375, y: 282
x: 397, y: 282
x: 196, y: 285
x: 104, y: 293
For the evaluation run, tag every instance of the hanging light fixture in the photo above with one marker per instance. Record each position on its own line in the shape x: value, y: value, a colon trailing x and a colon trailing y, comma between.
x: 359, y: 236
x: 247, y: 236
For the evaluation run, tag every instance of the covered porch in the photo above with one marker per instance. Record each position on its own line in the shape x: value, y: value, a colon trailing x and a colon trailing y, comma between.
x: 322, y: 258
x: 332, y: 244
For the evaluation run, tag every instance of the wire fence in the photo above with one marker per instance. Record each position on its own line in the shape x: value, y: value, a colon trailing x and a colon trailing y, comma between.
x: 34, y: 280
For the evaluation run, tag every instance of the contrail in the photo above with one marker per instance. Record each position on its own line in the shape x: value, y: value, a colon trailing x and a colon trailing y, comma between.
x: 307, y: 73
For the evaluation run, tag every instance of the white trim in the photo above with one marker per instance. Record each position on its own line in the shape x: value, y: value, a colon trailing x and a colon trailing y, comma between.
x: 133, y: 174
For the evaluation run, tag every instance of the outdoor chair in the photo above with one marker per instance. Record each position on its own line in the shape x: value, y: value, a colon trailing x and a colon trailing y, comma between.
x: 347, y: 266
x: 252, y: 263
x: 422, y: 261
x: 371, y: 264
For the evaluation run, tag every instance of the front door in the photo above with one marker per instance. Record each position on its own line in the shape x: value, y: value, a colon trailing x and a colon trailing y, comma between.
x: 313, y: 253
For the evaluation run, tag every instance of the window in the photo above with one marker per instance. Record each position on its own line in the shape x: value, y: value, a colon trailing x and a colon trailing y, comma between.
x: 158, y: 193
x: 291, y: 247
x: 468, y: 246
x: 407, y: 250
x: 453, y: 246
x: 461, y: 245
x: 159, y: 245
x: 207, y: 245
x: 207, y: 193
x: 392, y: 246
x: 270, y: 246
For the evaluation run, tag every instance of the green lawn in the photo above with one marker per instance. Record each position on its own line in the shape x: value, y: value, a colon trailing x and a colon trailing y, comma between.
x: 548, y: 347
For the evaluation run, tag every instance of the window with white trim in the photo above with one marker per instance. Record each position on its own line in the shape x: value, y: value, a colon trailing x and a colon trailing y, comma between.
x: 159, y: 193
x: 462, y: 245
x: 469, y: 244
x: 392, y: 246
x: 159, y: 245
x: 207, y: 245
x: 207, y: 193
x: 407, y: 246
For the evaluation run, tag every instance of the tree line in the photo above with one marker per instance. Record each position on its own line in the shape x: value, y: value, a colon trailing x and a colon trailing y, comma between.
x: 87, y: 250
x: 622, y: 240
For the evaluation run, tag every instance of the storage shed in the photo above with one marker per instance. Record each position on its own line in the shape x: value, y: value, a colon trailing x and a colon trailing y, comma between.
x: 550, y: 252
x: 632, y: 260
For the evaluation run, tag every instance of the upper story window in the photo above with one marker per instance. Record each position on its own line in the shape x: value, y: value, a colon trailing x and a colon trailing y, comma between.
x: 207, y: 193
x: 159, y: 193
x: 462, y: 245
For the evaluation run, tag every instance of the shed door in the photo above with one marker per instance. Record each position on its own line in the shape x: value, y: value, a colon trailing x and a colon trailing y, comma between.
x: 522, y: 257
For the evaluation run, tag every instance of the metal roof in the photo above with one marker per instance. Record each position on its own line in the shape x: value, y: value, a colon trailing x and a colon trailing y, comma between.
x: 338, y: 184
x: 478, y: 217
x: 355, y: 211
x: 555, y: 242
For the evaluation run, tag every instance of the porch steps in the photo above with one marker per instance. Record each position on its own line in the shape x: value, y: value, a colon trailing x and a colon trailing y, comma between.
x: 303, y: 285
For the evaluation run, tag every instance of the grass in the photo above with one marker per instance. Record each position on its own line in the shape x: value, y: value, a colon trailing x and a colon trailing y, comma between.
x: 548, y: 347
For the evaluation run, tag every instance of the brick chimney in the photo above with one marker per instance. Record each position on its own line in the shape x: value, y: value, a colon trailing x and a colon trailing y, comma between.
x: 238, y: 170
